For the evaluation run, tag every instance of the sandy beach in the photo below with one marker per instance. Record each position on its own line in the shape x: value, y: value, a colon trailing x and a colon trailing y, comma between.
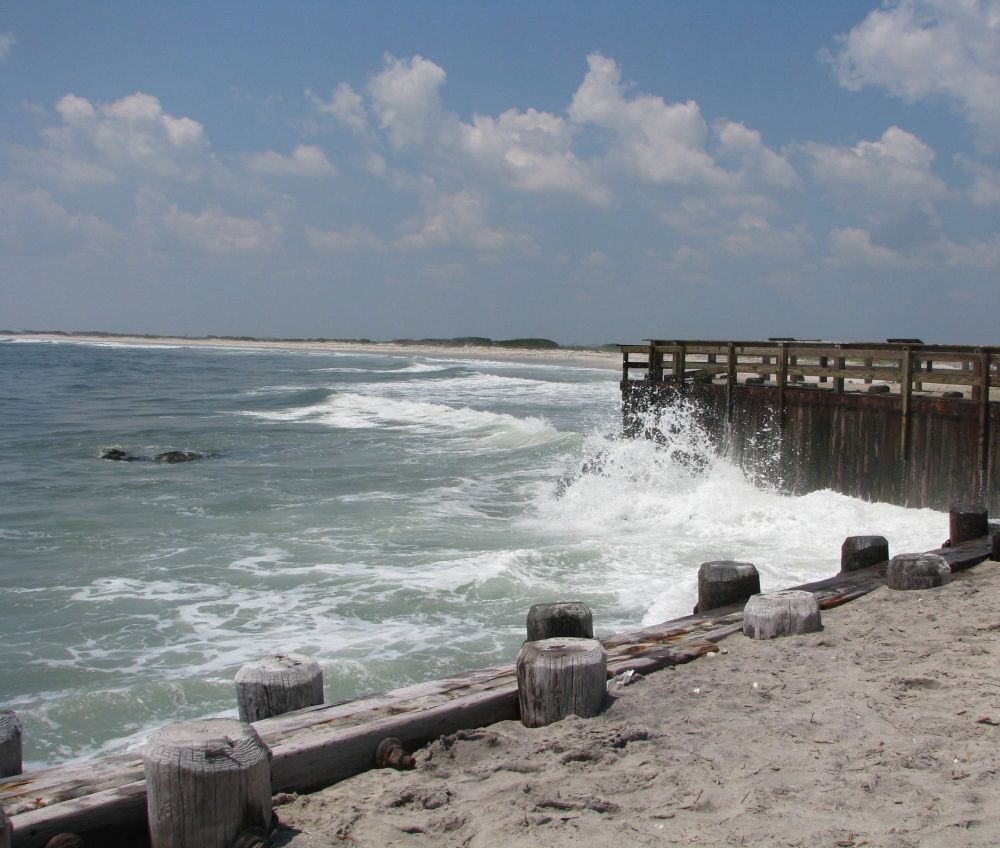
x: 880, y: 730
x: 611, y: 361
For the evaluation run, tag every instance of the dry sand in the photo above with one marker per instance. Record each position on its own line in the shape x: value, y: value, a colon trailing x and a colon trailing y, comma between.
x: 879, y: 730
x: 611, y: 361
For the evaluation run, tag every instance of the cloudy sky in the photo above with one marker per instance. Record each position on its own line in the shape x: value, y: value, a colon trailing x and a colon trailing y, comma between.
x: 584, y: 171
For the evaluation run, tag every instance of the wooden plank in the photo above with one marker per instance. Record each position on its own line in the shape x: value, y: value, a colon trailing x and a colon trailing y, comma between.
x: 906, y: 390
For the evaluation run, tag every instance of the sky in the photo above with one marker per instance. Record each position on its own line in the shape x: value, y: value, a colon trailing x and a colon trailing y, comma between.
x: 589, y: 172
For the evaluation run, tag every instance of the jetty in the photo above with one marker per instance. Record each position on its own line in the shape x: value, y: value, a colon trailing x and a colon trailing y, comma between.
x: 900, y: 422
x: 106, y: 798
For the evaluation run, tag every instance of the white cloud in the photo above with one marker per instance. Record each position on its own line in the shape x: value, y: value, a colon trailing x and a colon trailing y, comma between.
x: 345, y: 105
x: 333, y: 241
x: 759, y: 165
x: 31, y: 221
x: 985, y: 190
x: 881, y: 178
x: 596, y: 259
x: 7, y: 41
x: 305, y: 161
x: 975, y: 254
x: 406, y: 99
x: 754, y: 235
x: 459, y: 219
x: 216, y: 232
x: 852, y: 246
x: 922, y: 49
x: 131, y: 135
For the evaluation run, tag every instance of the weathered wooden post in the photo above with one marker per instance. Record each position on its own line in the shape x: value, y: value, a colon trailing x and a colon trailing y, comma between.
x: 563, y: 618
x: 560, y: 677
x: 918, y: 571
x: 5, y: 834
x: 206, y: 782
x: 968, y: 521
x: 10, y: 743
x: 276, y: 684
x: 863, y: 552
x: 781, y: 614
x: 724, y: 582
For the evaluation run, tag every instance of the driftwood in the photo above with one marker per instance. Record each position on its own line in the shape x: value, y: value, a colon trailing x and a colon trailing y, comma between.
x: 276, y: 684
x: 781, y: 614
x: 560, y: 677
x: 321, y: 745
x: 565, y: 618
x: 10, y: 743
x: 208, y: 781
x: 725, y: 582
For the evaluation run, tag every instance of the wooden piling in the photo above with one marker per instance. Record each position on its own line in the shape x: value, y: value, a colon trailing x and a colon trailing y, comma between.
x: 5, y: 830
x: 10, y: 744
x: 276, y: 684
x: 206, y: 781
x: 918, y: 571
x: 724, y: 582
x: 863, y: 552
x: 787, y: 613
x: 563, y: 618
x: 967, y: 521
x: 560, y: 677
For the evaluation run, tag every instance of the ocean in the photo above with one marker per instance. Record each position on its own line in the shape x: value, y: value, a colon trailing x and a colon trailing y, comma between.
x: 391, y: 516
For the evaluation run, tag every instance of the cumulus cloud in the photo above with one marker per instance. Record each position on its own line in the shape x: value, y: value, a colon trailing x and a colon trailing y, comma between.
x: 853, y: 246
x: 346, y: 106
x: 985, y: 190
x: 31, y: 221
x: 7, y: 41
x: 883, y: 178
x: 459, y: 218
x: 97, y: 144
x: 347, y: 241
x: 922, y: 49
x: 305, y: 161
x: 213, y: 231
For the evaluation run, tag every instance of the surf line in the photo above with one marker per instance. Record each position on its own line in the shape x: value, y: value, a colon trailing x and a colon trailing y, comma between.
x: 318, y: 746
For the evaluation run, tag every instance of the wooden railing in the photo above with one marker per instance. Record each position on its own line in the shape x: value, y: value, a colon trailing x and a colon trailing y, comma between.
x: 962, y: 373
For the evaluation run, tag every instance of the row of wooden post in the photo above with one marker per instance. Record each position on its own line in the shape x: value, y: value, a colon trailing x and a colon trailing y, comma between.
x: 218, y: 770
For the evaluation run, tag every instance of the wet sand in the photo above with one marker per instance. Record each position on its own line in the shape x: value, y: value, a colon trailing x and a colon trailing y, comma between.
x: 880, y: 730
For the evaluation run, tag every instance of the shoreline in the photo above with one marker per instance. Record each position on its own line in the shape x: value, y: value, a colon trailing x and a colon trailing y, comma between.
x: 562, y: 357
x: 879, y: 730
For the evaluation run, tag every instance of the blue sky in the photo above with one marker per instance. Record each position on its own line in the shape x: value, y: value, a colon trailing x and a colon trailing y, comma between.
x: 584, y: 171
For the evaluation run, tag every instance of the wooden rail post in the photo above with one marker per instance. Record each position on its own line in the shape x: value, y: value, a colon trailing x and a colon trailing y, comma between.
x: 680, y: 363
x: 563, y: 618
x: 782, y: 379
x: 838, y: 382
x: 869, y: 363
x: 560, y: 677
x: 206, y: 782
x: 730, y: 381
x: 984, y: 422
x: 655, y: 364
x: 10, y: 744
x: 824, y: 362
x: 277, y: 684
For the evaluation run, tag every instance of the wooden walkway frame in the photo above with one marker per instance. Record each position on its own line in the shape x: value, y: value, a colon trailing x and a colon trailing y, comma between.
x: 910, y: 366
x: 321, y: 745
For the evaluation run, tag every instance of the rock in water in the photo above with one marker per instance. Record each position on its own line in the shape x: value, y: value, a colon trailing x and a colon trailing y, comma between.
x: 172, y: 457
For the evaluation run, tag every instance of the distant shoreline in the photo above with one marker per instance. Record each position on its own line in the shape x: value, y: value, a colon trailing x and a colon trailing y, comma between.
x: 562, y: 357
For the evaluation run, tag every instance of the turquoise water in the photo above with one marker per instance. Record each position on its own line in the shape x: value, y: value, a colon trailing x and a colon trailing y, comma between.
x: 392, y: 516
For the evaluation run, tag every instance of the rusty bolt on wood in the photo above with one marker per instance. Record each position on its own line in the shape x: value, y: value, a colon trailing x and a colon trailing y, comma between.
x: 390, y: 754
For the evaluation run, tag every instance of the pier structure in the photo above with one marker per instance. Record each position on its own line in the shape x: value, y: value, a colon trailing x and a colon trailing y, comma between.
x: 900, y: 422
